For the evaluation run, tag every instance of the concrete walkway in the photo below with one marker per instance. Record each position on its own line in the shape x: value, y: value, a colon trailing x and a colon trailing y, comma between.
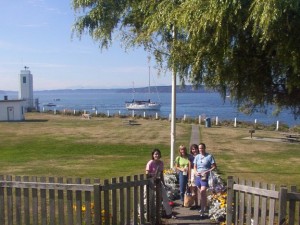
x: 195, y: 136
x: 185, y: 216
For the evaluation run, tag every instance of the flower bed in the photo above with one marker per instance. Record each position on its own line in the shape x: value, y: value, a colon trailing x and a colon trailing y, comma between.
x: 171, y: 181
x: 217, y: 194
x: 217, y: 199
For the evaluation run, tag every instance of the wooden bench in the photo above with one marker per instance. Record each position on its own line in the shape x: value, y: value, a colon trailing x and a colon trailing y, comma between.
x: 130, y: 122
x: 290, y: 137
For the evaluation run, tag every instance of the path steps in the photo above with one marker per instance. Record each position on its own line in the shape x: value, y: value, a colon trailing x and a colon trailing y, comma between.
x: 185, y: 216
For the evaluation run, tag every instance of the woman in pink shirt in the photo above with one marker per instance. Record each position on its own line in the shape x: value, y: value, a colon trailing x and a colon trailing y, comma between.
x: 155, y: 166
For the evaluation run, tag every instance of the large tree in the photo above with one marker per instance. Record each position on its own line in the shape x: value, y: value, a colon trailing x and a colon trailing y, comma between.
x: 249, y: 48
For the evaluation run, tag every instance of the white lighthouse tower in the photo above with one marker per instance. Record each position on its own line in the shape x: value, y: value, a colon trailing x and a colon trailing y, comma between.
x: 26, y: 88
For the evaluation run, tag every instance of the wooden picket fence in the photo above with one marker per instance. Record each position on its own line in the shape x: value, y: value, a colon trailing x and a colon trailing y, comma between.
x: 256, y: 203
x: 58, y: 201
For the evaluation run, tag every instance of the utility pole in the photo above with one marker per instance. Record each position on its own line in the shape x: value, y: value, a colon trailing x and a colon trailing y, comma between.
x: 173, y: 111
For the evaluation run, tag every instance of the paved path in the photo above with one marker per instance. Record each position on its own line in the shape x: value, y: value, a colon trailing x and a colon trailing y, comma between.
x: 185, y: 216
x: 195, y: 136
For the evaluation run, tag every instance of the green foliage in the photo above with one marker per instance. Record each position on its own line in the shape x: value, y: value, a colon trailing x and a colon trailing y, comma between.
x: 249, y: 48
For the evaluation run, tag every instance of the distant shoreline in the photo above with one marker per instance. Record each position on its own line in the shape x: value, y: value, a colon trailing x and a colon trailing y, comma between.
x: 159, y: 89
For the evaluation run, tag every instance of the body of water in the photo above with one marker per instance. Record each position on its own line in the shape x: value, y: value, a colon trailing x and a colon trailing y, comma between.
x: 192, y: 105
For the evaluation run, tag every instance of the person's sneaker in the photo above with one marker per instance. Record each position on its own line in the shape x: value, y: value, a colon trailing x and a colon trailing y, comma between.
x: 171, y: 216
x: 203, y: 216
x: 194, y: 207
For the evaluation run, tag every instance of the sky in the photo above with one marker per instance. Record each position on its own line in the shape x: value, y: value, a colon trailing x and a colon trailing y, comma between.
x: 38, y: 34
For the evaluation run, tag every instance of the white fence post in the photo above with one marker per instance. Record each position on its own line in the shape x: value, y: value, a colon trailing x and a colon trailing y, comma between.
x: 217, y: 120
x: 234, y: 122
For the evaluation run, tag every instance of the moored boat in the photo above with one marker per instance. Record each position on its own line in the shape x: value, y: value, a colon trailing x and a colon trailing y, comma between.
x: 142, y: 105
x: 50, y: 104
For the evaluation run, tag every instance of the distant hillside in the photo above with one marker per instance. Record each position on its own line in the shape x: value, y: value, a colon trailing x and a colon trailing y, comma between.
x: 159, y: 89
x: 8, y: 92
x: 166, y: 89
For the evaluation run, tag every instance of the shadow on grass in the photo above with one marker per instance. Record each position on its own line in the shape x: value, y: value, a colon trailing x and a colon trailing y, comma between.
x: 262, y: 172
x: 27, y: 121
x: 37, y: 120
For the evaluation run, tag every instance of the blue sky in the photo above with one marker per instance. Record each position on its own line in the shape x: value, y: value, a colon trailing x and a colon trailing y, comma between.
x: 37, y: 34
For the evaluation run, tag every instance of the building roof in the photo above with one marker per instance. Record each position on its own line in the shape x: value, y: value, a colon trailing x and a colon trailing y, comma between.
x: 12, y: 100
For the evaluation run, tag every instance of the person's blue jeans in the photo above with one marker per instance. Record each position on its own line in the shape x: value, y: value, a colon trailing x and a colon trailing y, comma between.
x: 183, y: 180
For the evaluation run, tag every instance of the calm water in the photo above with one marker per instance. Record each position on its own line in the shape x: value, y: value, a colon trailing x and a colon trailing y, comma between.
x: 189, y: 104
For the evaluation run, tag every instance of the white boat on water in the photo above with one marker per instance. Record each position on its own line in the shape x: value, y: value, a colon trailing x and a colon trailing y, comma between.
x: 50, y: 104
x: 142, y: 105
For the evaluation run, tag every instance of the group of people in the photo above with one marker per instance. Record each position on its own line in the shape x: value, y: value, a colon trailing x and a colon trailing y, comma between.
x: 193, y: 170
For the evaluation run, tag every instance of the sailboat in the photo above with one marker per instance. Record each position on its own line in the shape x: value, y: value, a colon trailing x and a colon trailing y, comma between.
x: 142, y: 104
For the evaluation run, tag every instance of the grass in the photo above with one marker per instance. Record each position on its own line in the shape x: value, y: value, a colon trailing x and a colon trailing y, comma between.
x: 69, y: 146
x: 269, y: 162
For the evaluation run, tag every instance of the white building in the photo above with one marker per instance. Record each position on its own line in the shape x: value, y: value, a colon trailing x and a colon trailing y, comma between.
x: 12, y: 110
x: 26, y: 88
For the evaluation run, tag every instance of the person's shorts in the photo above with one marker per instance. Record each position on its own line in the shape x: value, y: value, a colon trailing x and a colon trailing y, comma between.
x: 199, y: 182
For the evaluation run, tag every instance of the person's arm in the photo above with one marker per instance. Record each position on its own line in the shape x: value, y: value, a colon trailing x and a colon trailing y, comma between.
x: 162, y: 178
x: 195, y: 166
x: 190, y: 170
x: 177, y: 166
x: 148, y: 168
x: 213, y: 166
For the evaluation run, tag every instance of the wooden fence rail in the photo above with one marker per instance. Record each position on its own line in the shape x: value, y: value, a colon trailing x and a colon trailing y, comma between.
x: 51, y: 201
x: 255, y: 203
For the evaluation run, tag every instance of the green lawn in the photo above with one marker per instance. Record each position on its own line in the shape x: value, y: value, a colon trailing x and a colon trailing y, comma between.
x: 69, y: 146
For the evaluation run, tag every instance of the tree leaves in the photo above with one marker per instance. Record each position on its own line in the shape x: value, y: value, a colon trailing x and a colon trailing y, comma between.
x: 249, y: 48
